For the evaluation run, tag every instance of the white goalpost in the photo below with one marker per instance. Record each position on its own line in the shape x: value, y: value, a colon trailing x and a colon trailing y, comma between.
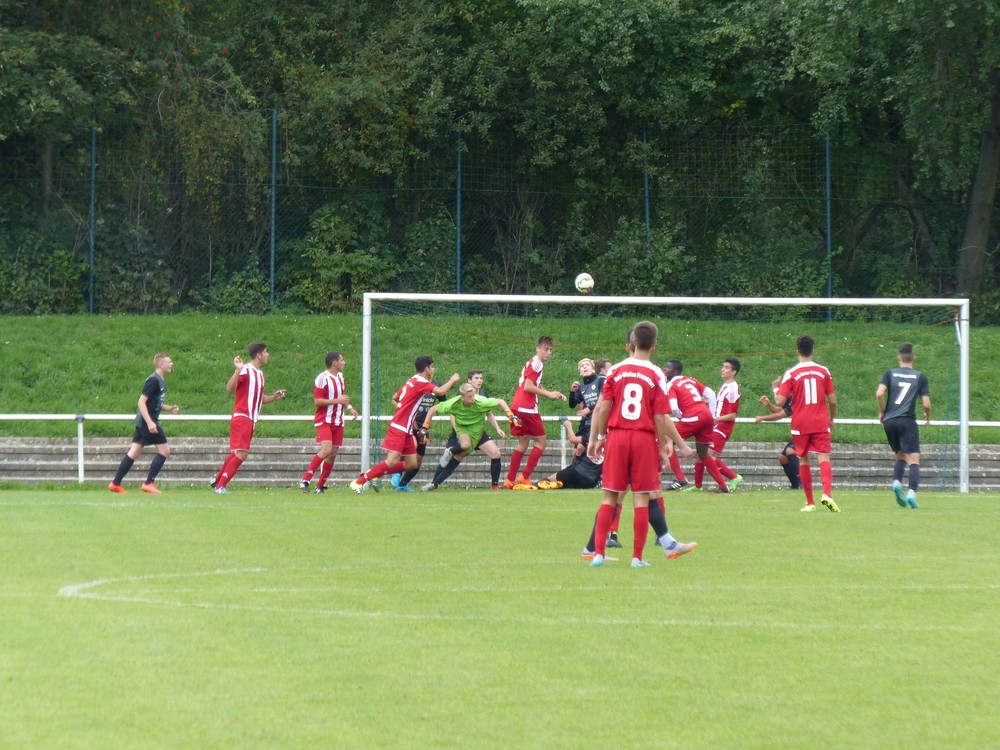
x: 467, y: 315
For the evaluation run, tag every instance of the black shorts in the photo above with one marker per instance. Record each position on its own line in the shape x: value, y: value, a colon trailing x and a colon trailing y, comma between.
x: 143, y: 436
x: 903, y: 434
x: 575, y: 477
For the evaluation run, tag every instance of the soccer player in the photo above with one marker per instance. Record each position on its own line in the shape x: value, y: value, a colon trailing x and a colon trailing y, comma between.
x: 147, y: 427
x: 247, y: 382
x: 633, y: 433
x: 525, y: 405
x: 787, y: 459
x: 692, y: 404
x: 399, y: 444
x: 809, y: 388
x: 582, y: 473
x: 727, y: 406
x: 583, y: 394
x: 898, y: 415
x: 331, y: 401
x: 486, y: 443
x: 468, y: 410
x: 401, y: 480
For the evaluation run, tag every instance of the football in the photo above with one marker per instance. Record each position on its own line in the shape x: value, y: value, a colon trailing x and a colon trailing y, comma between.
x: 584, y: 283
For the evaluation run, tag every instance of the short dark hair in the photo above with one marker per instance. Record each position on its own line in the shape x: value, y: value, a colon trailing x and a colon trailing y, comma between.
x: 472, y: 373
x: 545, y: 341
x: 256, y: 348
x: 734, y: 363
x: 332, y: 357
x: 804, y: 345
x: 906, y: 352
x: 645, y: 335
x: 422, y: 362
x: 675, y: 366
x: 601, y: 363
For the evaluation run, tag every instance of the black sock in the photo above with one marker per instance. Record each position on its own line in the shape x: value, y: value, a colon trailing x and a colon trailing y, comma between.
x: 123, y: 468
x: 495, y: 471
x: 791, y: 470
x: 914, y: 476
x: 441, y: 474
x: 154, y: 468
x: 407, y: 476
x: 657, y: 520
x: 897, y: 470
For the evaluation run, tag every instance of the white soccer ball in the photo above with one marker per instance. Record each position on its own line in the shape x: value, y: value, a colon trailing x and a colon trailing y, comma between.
x: 584, y: 283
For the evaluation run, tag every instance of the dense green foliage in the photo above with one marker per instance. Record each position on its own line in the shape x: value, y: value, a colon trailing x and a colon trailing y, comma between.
x: 562, y: 112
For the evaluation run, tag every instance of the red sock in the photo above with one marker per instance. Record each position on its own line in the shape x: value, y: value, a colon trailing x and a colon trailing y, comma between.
x: 806, y: 477
x: 324, y: 474
x: 617, y: 519
x: 713, y: 468
x: 313, y: 465
x: 675, y: 466
x: 699, y: 473
x: 228, y: 470
x: 515, y: 463
x: 602, y: 528
x: 533, y: 458
x: 726, y: 471
x: 640, y: 524
x: 826, y: 478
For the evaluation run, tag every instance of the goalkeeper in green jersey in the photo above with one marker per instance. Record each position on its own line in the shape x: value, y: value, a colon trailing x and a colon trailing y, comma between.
x: 469, y: 411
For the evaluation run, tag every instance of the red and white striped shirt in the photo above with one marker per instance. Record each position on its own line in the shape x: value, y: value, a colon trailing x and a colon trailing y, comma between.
x: 409, y: 398
x: 637, y: 390
x: 249, y: 393
x: 329, y: 387
x: 524, y: 401
x: 727, y: 401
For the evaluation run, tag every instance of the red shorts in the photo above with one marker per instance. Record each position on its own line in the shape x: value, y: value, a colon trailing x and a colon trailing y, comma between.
x: 397, y: 441
x: 719, y: 440
x: 631, y: 459
x: 532, y: 426
x: 700, y: 428
x: 815, y: 442
x: 240, y: 433
x: 330, y: 433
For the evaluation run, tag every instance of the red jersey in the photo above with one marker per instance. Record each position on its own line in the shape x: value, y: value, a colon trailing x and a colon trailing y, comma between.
x: 806, y: 387
x: 686, y: 398
x: 727, y: 401
x: 329, y: 387
x: 637, y: 391
x: 249, y: 393
x: 409, y: 398
x: 524, y: 401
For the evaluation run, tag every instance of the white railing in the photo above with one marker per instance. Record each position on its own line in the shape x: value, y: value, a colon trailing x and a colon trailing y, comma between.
x: 565, y: 448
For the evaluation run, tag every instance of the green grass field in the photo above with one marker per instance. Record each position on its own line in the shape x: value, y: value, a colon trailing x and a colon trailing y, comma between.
x: 273, y: 619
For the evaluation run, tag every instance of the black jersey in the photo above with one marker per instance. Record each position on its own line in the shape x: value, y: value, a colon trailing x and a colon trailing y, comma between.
x: 587, y: 395
x: 905, y: 385
x: 154, y: 389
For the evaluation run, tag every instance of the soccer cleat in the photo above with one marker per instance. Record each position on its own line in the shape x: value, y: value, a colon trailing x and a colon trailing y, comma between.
x: 405, y: 488
x: 429, y: 487
x: 116, y: 488
x: 691, y: 488
x: 524, y: 487
x: 521, y: 479
x: 495, y: 487
x: 830, y: 505
x: 679, y: 548
x: 810, y: 507
x: 677, y: 484
x: 394, y: 479
x: 897, y: 490
x: 545, y: 484
x: 613, y: 541
x: 357, y: 487
x: 508, y: 484
x: 911, y: 499
x: 637, y: 563
x: 735, y: 482
x: 597, y: 561
x: 151, y: 488
x: 304, y: 485
x: 220, y: 491
x: 320, y: 490
x: 587, y: 554
x: 445, y: 458
x: 212, y: 484
x: 723, y: 490
x: 376, y: 484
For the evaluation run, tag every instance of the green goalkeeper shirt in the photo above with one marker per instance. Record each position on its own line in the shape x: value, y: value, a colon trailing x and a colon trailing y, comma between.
x: 470, y: 419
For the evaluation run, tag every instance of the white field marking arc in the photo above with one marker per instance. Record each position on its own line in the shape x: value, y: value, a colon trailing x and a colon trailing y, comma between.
x: 83, y: 591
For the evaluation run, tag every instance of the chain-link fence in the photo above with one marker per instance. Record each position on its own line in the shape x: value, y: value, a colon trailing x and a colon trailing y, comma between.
x: 244, y: 213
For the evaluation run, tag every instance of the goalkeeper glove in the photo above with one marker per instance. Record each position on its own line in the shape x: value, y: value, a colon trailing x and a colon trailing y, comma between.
x: 514, y: 419
x: 424, y: 434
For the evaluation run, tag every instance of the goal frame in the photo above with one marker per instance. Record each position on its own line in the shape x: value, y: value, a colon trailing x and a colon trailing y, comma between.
x: 961, y: 324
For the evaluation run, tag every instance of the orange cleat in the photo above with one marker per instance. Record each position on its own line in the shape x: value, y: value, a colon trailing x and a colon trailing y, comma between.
x: 116, y: 488
x: 151, y: 488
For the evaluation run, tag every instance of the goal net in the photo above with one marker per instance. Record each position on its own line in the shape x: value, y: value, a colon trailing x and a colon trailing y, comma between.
x: 856, y: 339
